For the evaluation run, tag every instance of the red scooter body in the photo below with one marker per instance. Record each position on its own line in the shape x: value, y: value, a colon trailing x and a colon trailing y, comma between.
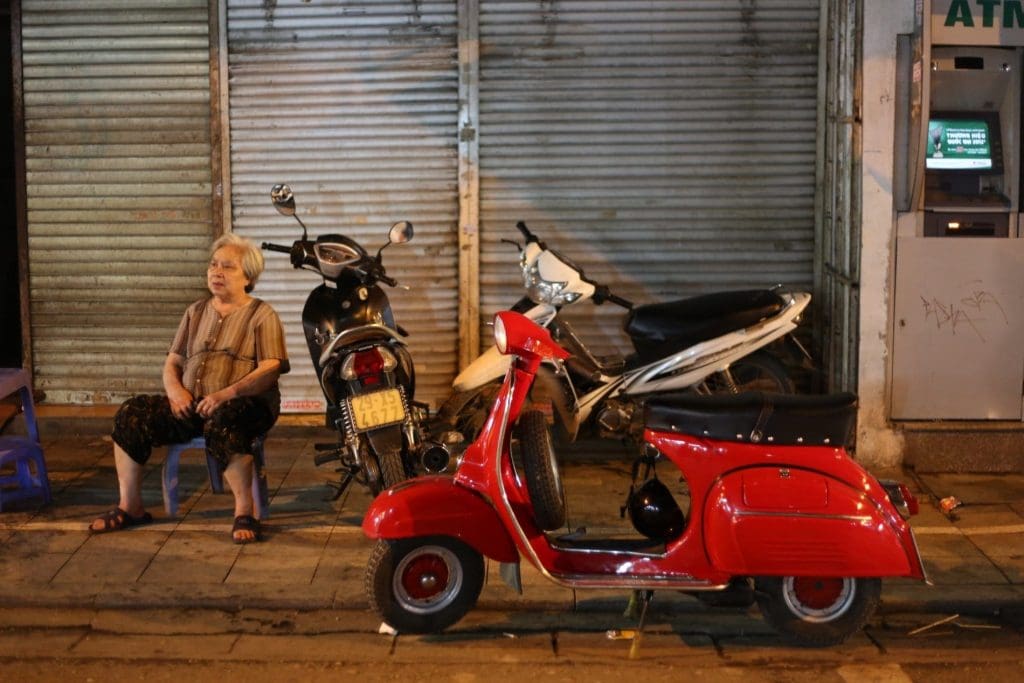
x: 806, y: 512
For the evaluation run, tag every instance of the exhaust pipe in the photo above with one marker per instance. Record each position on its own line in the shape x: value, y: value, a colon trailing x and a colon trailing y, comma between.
x: 434, y: 457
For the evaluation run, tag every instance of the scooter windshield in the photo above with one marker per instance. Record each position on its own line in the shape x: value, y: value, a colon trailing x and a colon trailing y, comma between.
x: 332, y: 257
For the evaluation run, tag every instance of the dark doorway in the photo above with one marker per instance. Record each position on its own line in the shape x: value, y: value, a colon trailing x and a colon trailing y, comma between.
x: 10, y: 297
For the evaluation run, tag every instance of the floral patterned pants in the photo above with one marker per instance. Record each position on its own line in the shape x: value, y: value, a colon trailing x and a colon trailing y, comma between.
x: 146, y: 421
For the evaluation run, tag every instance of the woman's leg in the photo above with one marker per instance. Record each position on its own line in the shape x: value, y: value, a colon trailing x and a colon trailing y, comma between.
x: 129, y: 484
x: 229, y: 435
x: 239, y: 474
x: 141, y: 423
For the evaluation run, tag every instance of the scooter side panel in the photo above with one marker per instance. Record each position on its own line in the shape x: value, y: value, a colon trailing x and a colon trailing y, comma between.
x: 437, y: 506
x: 772, y: 520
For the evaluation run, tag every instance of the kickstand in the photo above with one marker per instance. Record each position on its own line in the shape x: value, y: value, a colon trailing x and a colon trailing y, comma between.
x: 340, y: 487
x: 644, y: 598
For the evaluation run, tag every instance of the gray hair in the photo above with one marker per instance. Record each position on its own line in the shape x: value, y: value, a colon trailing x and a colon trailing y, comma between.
x: 252, y: 257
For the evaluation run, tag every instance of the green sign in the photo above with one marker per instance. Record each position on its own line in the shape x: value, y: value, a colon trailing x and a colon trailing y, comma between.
x: 986, y: 13
x: 977, y: 22
x: 958, y: 145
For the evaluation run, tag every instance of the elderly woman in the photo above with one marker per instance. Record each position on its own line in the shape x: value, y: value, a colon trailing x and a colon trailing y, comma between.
x: 220, y: 379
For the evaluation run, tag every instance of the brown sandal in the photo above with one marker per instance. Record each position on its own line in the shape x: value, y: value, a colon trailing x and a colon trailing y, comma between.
x: 117, y: 519
x: 246, y: 523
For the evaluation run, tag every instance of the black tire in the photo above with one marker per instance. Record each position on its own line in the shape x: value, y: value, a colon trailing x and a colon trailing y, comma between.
x: 759, y: 371
x: 540, y: 468
x: 392, y: 469
x: 817, y: 611
x: 424, y: 584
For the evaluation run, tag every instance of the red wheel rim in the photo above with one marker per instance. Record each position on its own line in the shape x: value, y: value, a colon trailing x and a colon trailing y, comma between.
x: 817, y: 593
x: 425, y: 576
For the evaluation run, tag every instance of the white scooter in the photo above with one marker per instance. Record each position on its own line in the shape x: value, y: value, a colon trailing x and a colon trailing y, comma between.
x: 714, y: 343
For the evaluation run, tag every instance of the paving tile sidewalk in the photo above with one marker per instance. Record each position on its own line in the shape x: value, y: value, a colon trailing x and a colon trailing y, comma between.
x: 314, y: 553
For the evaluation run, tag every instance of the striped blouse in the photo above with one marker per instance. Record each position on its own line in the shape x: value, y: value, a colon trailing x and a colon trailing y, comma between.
x: 219, y: 351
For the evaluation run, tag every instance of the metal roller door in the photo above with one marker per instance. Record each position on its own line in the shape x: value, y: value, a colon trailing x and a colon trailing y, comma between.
x: 353, y: 104
x: 667, y: 147
x: 118, y: 165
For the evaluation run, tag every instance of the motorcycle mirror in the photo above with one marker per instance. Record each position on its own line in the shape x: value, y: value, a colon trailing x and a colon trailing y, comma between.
x: 400, y: 233
x: 283, y: 199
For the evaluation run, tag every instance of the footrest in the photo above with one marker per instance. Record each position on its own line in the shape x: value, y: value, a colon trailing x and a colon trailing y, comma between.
x: 601, y: 543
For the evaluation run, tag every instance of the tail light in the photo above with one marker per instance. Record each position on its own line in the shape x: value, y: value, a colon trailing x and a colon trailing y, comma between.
x: 901, y: 497
x: 368, y: 366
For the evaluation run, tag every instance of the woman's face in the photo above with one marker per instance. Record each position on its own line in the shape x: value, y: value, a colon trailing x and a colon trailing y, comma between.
x: 225, y: 277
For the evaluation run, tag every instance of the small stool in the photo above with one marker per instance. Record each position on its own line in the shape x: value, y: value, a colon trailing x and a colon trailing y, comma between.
x: 23, y: 453
x: 260, y: 494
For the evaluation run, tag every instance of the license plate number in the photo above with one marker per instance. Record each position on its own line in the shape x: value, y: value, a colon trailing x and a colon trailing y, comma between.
x: 377, y: 409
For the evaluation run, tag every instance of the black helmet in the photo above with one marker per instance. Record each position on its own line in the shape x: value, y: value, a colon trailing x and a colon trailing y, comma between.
x: 655, y: 513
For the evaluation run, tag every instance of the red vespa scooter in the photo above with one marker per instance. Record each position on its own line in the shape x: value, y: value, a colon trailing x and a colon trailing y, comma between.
x: 776, y: 503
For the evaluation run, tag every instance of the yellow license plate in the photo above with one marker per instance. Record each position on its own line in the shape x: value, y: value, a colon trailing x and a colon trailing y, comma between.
x: 377, y: 409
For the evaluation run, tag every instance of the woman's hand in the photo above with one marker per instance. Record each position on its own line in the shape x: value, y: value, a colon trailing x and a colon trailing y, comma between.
x: 180, y: 398
x: 181, y: 402
x: 210, y: 403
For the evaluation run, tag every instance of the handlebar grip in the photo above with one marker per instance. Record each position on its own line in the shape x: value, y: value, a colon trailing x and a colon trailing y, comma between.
x: 616, y: 299
x: 267, y: 246
x: 390, y: 282
x: 602, y: 294
x: 530, y: 237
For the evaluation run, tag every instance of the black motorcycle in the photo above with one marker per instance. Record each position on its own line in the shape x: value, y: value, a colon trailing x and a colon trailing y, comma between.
x: 361, y: 361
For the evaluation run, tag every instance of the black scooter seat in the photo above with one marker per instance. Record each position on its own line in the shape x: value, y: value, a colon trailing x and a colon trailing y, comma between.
x: 659, y: 329
x: 757, y: 417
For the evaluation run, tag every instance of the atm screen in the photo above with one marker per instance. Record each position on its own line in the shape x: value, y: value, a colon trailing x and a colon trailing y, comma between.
x: 963, y: 142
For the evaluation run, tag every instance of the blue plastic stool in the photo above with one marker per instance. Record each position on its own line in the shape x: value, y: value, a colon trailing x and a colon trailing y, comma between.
x: 260, y: 493
x: 23, y: 454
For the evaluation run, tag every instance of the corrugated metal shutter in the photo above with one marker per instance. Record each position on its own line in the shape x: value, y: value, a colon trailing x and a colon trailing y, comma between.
x: 354, y: 104
x: 117, y: 127
x: 667, y: 147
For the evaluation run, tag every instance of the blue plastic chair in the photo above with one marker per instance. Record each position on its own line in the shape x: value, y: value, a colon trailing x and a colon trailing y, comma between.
x: 260, y: 493
x: 22, y: 465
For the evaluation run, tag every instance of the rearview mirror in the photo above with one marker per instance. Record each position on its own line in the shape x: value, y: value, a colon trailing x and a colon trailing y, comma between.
x: 283, y: 199
x: 400, y: 233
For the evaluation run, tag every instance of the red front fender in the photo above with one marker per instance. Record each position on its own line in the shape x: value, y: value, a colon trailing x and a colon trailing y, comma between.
x: 437, y: 506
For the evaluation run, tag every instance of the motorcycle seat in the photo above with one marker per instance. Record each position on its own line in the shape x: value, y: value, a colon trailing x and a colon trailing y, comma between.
x: 659, y: 329
x: 757, y: 417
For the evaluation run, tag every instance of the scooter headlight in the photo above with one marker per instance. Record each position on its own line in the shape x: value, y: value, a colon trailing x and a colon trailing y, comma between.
x: 500, y: 338
x: 333, y: 257
x: 543, y: 291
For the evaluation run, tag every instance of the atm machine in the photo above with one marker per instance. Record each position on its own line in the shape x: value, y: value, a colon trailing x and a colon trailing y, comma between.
x: 974, y: 105
x: 958, y: 324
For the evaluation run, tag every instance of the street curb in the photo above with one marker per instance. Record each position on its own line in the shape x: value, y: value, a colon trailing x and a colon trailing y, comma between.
x: 984, y: 600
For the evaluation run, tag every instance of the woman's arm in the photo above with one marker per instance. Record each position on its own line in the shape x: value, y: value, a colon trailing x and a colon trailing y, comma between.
x: 263, y: 378
x: 177, y: 394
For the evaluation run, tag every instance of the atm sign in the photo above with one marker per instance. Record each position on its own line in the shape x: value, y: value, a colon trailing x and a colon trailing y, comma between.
x: 985, y: 13
x: 977, y: 22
